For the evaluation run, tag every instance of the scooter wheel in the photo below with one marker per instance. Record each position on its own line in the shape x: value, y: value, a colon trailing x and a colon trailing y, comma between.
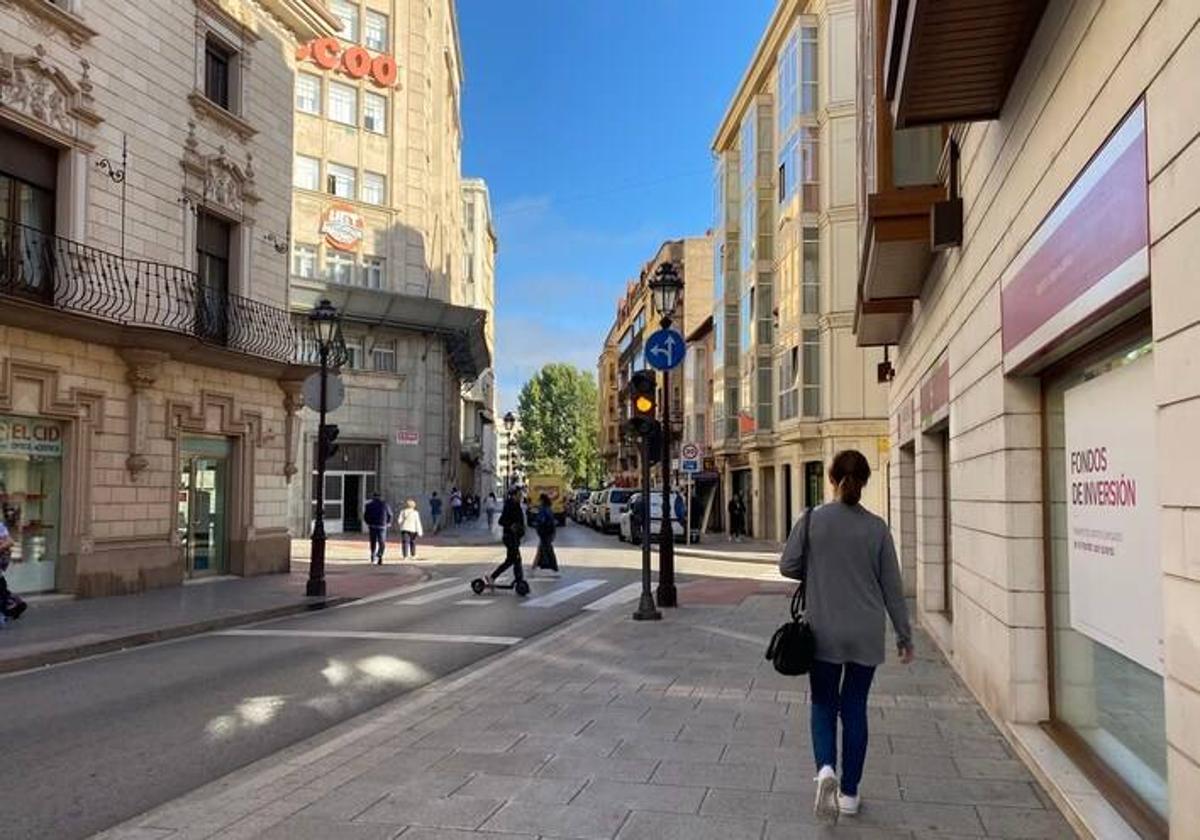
x: 477, y: 586
x: 522, y: 588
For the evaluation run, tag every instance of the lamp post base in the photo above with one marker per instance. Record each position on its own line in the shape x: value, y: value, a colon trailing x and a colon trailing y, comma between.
x: 646, y: 610
x: 667, y: 596
x: 315, y: 589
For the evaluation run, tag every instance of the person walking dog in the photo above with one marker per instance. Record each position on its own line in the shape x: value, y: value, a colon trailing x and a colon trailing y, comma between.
x: 853, y: 586
x: 410, y: 529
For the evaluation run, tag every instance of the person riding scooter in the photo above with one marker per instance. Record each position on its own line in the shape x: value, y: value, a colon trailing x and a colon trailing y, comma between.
x: 512, y: 520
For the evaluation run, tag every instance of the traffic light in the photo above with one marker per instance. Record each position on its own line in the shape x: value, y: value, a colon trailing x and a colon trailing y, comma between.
x: 329, y: 434
x: 643, y: 399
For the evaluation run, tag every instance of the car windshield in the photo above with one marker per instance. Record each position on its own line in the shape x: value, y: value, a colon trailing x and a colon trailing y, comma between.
x: 619, y: 497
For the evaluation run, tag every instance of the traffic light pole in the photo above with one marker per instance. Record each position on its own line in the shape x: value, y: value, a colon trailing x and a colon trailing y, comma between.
x: 316, y: 562
x: 646, y: 610
x: 666, y: 537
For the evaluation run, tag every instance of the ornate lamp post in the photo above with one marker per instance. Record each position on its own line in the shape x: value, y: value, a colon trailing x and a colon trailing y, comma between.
x: 666, y: 287
x: 509, y: 422
x: 324, y: 320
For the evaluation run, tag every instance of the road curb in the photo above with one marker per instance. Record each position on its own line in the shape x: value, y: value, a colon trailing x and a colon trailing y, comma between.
x: 58, y: 656
x: 730, y: 558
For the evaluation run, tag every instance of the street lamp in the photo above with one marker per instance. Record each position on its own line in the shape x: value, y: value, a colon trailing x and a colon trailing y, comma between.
x: 509, y: 421
x: 666, y: 287
x: 324, y: 320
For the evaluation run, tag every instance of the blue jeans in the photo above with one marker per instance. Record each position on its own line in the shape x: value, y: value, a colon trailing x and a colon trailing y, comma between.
x: 840, y: 690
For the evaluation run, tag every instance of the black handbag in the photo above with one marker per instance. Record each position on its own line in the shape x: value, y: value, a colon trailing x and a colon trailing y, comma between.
x: 794, y: 647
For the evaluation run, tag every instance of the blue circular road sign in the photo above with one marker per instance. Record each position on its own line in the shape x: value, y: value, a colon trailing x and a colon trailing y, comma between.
x: 665, y: 349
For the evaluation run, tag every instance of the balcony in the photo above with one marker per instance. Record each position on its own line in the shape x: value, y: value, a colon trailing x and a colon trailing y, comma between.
x: 955, y: 62
x: 59, y: 286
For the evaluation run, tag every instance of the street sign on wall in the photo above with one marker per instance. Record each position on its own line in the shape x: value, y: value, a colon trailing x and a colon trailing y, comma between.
x: 408, y: 437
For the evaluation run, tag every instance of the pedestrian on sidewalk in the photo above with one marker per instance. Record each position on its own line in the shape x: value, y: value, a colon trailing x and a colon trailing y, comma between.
x: 737, y: 518
x: 491, y: 507
x: 512, y: 521
x: 546, y: 527
x: 435, y: 512
x: 11, y: 606
x: 853, y: 584
x: 378, y: 516
x: 410, y: 529
x: 456, y: 505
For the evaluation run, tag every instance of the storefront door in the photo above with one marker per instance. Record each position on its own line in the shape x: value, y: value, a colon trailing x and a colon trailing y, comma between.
x: 203, y: 506
x: 31, y: 453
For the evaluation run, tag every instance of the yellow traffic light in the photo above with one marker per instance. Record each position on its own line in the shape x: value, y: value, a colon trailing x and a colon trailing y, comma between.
x: 644, y: 404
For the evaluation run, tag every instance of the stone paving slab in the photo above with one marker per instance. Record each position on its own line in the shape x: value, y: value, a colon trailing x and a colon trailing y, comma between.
x: 610, y: 730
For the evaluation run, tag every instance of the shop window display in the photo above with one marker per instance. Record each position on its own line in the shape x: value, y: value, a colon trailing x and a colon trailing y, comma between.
x: 30, y: 499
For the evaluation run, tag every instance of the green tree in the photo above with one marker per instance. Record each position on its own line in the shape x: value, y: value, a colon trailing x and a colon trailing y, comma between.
x: 558, y: 411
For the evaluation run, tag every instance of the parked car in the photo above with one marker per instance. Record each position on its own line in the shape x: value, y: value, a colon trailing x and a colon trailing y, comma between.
x: 626, y: 522
x: 593, y: 510
x: 613, y: 502
x: 576, y: 501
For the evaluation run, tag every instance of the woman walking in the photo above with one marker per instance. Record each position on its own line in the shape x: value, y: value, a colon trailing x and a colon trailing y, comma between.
x: 491, y: 508
x: 410, y: 529
x: 546, y: 527
x: 853, y: 585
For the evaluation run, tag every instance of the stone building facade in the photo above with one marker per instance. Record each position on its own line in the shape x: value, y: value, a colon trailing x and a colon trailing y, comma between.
x: 478, y: 473
x: 378, y: 229
x: 1030, y: 233
x: 148, y: 368
x: 790, y: 387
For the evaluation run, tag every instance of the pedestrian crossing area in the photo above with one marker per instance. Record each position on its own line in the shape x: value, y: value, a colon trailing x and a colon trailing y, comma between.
x: 547, y: 593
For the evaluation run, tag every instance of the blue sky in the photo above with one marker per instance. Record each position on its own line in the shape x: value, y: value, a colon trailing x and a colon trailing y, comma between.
x: 591, y: 121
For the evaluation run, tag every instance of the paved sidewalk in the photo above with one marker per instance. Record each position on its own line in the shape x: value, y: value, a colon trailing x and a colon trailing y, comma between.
x: 609, y: 728
x: 59, y: 630
x: 718, y: 547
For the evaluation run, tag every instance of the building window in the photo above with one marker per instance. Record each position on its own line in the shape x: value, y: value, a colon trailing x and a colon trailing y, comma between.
x: 808, y: 70
x: 375, y: 113
x: 304, y: 260
x: 374, y: 272
x: 213, y: 247
x: 810, y: 281
x: 308, y: 93
x: 339, y: 266
x: 306, y: 173
x: 340, y: 180
x: 343, y: 103
x: 347, y: 13
x: 789, y: 390
x: 807, y: 172
x: 218, y: 72
x: 376, y: 35
x: 354, y: 353
x: 383, y: 358
x: 812, y: 373
x: 374, y: 188
x: 787, y: 78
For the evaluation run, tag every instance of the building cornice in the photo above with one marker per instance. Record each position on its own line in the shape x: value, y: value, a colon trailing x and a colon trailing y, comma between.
x: 54, y: 17
x: 307, y: 19
x: 752, y: 79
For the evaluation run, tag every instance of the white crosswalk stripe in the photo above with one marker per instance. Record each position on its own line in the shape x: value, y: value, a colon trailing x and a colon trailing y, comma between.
x: 565, y: 593
x: 614, y: 599
x: 436, y: 595
x: 399, y: 590
x: 476, y: 602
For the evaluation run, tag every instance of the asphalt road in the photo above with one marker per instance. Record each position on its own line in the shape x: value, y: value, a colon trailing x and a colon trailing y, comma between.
x: 88, y: 744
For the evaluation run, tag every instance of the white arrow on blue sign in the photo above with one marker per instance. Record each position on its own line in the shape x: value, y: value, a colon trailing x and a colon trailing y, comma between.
x: 665, y: 349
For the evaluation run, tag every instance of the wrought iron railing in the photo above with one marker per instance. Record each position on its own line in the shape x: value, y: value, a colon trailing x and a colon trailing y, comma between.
x: 81, y: 279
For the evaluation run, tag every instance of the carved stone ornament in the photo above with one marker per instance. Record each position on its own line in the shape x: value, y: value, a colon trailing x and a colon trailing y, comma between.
x: 50, y: 19
x: 41, y: 93
x: 222, y: 182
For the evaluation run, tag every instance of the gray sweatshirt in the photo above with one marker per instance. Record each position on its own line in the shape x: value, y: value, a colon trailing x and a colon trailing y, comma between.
x: 853, y: 577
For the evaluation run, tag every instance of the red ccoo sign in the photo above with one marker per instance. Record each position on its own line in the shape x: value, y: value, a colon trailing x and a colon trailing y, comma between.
x: 355, y: 62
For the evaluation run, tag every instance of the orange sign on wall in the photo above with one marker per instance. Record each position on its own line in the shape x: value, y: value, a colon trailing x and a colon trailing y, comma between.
x: 343, y: 228
x: 355, y: 62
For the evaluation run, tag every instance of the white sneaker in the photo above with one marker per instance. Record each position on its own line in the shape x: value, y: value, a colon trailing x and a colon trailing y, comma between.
x: 848, y: 805
x: 825, y: 806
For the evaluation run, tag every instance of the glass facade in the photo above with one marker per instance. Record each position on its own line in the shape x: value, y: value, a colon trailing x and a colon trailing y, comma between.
x: 31, y: 453
x: 1105, y: 568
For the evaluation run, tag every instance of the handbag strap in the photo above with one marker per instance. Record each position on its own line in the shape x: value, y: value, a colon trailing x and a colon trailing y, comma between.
x: 800, y: 596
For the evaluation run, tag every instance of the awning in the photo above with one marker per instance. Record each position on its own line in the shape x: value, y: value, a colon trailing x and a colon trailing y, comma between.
x: 462, y: 327
x: 955, y: 61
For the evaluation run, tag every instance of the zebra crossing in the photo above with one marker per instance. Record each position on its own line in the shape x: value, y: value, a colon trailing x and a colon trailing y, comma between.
x: 548, y: 593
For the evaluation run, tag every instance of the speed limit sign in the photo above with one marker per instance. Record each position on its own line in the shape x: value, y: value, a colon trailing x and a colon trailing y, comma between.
x: 690, y: 452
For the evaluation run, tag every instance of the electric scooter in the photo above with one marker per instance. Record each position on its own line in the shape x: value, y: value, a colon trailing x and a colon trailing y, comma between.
x: 520, y: 586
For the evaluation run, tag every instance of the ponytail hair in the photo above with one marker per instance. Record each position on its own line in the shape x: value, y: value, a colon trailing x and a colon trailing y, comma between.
x: 849, y: 473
